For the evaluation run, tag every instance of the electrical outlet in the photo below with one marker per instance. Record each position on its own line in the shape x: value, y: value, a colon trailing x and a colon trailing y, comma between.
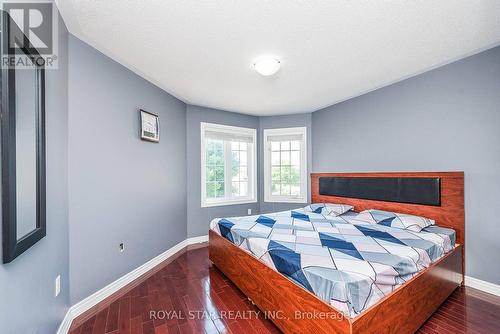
x: 249, y: 212
x: 121, y: 247
x: 58, y: 286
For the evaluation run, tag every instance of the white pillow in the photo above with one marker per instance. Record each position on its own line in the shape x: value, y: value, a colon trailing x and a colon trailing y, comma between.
x: 394, y: 219
x: 328, y: 209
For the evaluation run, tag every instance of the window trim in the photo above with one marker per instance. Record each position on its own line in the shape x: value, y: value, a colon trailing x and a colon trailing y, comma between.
x: 268, y: 197
x: 252, y: 164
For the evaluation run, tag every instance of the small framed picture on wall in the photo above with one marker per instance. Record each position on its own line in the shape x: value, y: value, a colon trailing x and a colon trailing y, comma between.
x: 150, y: 126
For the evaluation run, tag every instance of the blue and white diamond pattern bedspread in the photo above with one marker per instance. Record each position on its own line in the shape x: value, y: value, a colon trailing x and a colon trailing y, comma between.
x: 348, y: 264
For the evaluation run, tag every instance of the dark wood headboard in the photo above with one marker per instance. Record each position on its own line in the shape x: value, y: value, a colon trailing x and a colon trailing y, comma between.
x: 448, y: 211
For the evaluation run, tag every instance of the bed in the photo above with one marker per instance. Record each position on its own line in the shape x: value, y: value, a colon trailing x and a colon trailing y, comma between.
x: 366, y: 278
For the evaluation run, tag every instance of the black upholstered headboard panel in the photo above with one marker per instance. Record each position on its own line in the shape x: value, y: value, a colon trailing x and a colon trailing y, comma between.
x: 413, y: 190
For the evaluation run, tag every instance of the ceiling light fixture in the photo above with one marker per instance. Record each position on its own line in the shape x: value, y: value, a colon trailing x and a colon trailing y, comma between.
x: 267, y: 65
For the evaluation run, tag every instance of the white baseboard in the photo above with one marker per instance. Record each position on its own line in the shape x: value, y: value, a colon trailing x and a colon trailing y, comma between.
x: 197, y: 240
x: 482, y: 285
x: 97, y: 297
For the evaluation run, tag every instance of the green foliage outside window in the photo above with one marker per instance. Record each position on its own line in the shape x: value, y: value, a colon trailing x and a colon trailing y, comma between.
x: 214, y: 168
x: 285, y: 169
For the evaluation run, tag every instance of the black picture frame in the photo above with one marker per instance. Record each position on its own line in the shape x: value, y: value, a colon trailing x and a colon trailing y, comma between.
x: 149, y: 136
x: 12, y: 246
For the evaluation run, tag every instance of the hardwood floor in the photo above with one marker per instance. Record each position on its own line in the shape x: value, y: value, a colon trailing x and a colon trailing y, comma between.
x: 189, y: 295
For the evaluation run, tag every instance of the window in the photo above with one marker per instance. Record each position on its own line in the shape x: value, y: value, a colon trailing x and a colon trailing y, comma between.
x: 228, y: 165
x: 285, y: 165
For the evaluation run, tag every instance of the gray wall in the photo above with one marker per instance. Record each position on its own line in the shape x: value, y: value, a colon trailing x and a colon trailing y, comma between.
x: 121, y: 189
x: 198, y: 218
x: 27, y: 302
x: 286, y: 121
x: 445, y: 119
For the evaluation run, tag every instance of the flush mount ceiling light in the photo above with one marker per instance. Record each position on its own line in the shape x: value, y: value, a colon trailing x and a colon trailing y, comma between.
x: 267, y: 65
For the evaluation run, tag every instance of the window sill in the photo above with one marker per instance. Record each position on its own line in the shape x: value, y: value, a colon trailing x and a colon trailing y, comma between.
x: 286, y: 200
x: 226, y: 203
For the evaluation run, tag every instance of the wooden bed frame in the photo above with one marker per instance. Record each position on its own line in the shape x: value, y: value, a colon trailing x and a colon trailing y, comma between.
x: 296, y: 310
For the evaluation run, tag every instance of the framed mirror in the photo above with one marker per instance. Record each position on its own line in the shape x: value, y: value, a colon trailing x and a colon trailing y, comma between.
x: 23, y: 148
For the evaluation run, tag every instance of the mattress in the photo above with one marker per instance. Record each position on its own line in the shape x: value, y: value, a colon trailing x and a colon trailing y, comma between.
x: 348, y: 264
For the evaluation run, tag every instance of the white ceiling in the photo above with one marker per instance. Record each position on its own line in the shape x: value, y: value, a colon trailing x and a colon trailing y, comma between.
x: 202, y: 51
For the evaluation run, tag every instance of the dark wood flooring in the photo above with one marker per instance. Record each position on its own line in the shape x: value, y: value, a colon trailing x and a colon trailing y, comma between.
x: 201, y: 299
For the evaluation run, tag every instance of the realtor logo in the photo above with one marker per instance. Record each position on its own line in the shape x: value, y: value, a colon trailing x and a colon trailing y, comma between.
x: 30, y: 27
